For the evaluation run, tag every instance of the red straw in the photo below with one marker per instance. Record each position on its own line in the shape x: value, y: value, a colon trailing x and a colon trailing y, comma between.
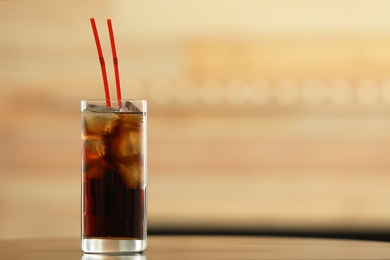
x: 102, y: 63
x: 115, y: 60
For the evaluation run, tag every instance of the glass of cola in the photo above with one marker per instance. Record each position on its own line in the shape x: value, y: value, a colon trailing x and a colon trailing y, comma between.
x: 114, y: 176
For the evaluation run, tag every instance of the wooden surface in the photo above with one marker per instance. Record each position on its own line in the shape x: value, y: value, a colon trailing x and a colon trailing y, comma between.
x: 205, y: 247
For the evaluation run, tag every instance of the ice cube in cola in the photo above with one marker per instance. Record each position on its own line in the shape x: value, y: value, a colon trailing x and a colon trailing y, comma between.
x: 127, y: 106
x: 113, y: 172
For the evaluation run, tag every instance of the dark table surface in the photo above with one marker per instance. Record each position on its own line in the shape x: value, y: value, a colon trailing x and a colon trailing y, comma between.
x: 204, y: 247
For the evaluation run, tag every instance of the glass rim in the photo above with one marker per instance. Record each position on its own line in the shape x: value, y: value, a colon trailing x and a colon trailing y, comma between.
x: 140, y: 103
x: 112, y: 99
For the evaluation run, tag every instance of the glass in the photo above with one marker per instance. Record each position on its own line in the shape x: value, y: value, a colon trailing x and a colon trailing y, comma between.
x: 114, y: 176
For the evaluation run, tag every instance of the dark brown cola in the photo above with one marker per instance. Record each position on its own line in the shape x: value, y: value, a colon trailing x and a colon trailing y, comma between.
x: 113, y: 166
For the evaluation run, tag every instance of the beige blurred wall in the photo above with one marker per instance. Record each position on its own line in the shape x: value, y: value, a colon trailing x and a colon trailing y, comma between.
x: 262, y: 114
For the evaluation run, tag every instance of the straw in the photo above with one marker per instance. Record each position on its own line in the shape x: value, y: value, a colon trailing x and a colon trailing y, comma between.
x: 102, y: 63
x: 115, y: 60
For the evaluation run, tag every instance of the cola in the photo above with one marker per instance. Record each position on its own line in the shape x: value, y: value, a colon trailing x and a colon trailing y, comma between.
x: 113, y: 174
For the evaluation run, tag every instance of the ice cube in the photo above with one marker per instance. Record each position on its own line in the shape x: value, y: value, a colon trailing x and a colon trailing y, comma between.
x: 99, y: 123
x: 101, y: 109
x: 94, y: 146
x: 132, y: 122
x: 131, y: 171
x: 95, y: 169
x: 128, y: 107
x: 128, y: 144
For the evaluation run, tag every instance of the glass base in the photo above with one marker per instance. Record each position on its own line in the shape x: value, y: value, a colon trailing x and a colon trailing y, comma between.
x: 128, y: 256
x: 112, y: 246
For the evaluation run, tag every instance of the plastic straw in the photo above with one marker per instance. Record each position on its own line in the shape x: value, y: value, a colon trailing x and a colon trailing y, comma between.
x: 102, y: 63
x: 115, y: 60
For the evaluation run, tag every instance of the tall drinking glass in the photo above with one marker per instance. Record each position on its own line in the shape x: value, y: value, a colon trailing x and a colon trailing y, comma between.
x: 114, y: 176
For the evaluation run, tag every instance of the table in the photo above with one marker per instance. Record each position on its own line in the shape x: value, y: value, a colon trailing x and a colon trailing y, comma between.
x: 204, y: 247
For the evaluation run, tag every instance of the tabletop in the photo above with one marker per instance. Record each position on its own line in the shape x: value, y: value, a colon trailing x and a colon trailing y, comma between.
x: 204, y: 247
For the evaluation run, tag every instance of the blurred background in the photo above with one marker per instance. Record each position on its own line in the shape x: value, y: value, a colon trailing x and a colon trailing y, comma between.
x: 265, y: 117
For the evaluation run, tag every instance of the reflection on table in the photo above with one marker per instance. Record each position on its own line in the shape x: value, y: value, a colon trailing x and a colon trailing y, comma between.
x: 204, y: 247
